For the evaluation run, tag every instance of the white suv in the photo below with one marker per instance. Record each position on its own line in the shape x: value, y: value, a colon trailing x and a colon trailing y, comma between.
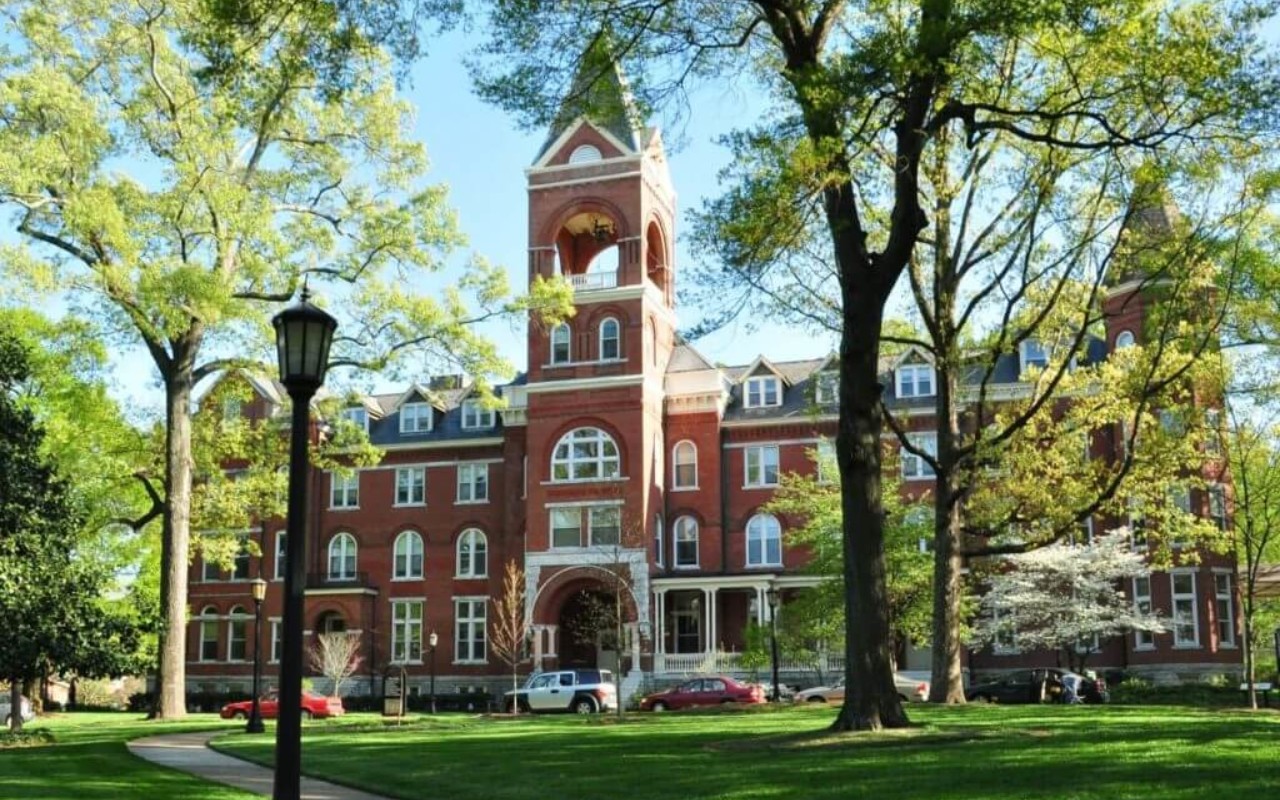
x: 582, y: 691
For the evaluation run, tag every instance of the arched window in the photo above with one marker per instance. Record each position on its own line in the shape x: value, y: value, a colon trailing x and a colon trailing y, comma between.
x: 237, y: 622
x: 342, y: 557
x: 208, y: 634
x: 686, y: 533
x: 651, y: 340
x: 585, y: 454
x: 408, y: 556
x: 472, y: 552
x: 764, y: 541
x: 1125, y: 339
x: 684, y: 465
x: 610, y: 341
x: 585, y: 154
x: 560, y: 344
x: 657, y: 539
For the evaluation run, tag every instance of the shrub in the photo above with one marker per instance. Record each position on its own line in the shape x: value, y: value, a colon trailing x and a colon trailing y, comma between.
x: 27, y: 737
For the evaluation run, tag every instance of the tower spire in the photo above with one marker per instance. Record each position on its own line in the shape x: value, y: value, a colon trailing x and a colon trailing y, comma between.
x: 599, y: 92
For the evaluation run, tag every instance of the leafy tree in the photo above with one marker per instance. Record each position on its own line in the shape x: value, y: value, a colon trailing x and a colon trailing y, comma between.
x: 337, y: 657
x: 180, y: 212
x: 509, y: 635
x: 1064, y: 597
x: 1254, y: 460
x: 828, y: 189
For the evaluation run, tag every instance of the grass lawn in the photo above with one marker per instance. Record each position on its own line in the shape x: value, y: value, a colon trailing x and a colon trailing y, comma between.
x: 88, y: 761
x: 1060, y: 752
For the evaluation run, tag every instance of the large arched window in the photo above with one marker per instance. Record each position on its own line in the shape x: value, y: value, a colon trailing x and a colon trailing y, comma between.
x: 472, y: 554
x: 585, y: 454
x: 684, y: 465
x: 208, y: 634
x: 764, y: 541
x: 610, y: 340
x: 560, y: 344
x: 237, y: 624
x: 342, y: 557
x: 408, y: 556
x: 686, y: 533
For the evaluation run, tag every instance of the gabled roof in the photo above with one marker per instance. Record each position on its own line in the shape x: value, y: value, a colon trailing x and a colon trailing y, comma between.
x: 916, y: 350
x: 762, y: 363
x: 686, y: 358
x: 599, y: 92
x: 415, y: 390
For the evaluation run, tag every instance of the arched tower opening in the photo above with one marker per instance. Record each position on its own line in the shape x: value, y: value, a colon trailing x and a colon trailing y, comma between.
x: 586, y: 250
x: 657, y: 266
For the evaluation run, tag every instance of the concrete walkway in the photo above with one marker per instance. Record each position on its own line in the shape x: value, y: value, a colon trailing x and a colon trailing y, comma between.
x: 189, y: 752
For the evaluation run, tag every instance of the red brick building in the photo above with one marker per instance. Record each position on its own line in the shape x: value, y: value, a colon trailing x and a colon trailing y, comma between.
x: 620, y: 450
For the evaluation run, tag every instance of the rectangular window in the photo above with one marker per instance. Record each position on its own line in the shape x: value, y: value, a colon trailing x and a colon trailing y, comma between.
x: 473, y: 483
x: 344, y: 490
x: 1224, y: 605
x: 209, y: 570
x: 763, y: 391
x: 209, y: 640
x: 566, y: 527
x: 236, y: 639
x: 1186, y: 623
x: 357, y: 415
x: 915, y: 468
x: 415, y: 418
x: 469, y: 630
x: 657, y: 540
x: 475, y: 415
x: 915, y: 380
x: 605, y: 526
x: 411, y: 486
x: 406, y: 631
x: 1213, y: 431
x: 825, y: 456
x: 277, y: 641
x: 231, y: 409
x: 1143, y: 640
x: 1004, y: 643
x: 826, y: 388
x: 240, y: 569
x: 282, y: 543
x: 1033, y: 354
x: 761, y: 465
x: 1218, y: 506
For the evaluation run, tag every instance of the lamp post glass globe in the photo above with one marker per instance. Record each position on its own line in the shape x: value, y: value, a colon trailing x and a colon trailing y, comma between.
x: 303, y: 336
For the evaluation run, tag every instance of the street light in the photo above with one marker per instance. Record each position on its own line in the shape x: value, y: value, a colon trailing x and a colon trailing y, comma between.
x: 432, y: 641
x: 772, y: 595
x: 303, y: 336
x: 255, y: 714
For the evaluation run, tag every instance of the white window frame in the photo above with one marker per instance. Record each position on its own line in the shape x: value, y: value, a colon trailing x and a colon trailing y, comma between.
x: 1124, y: 339
x: 353, y: 557
x: 1191, y: 600
x: 473, y: 483
x: 475, y: 417
x: 411, y: 486
x: 1213, y: 431
x: 344, y: 491
x: 282, y: 550
x: 1027, y: 358
x: 238, y: 620
x: 658, y: 543
x: 470, y: 630
x: 574, y: 512
x: 616, y: 338
x: 417, y: 413
x: 604, y: 512
x: 764, y: 560
x: 408, y: 544
x: 356, y: 414
x: 690, y: 460
x: 404, y: 625
x: 207, y: 567
x: 277, y: 641
x: 909, y: 377
x: 915, y: 468
x: 471, y: 554
x: 826, y: 387
x: 561, y: 337
x: 824, y: 453
x: 680, y: 533
x: 756, y: 475
x: 604, y: 467
x: 1216, y: 505
x: 208, y: 625
x: 1226, y: 621
x: 756, y: 391
x: 1143, y: 640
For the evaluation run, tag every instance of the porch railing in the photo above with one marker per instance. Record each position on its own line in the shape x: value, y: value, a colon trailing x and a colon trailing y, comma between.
x: 721, y: 662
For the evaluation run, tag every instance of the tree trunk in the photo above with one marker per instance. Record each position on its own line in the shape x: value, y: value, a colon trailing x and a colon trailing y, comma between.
x: 15, y: 705
x: 947, y: 678
x: 1249, y: 670
x: 176, y: 545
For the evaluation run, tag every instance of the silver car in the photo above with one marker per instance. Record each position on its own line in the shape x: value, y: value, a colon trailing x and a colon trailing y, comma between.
x: 909, y: 689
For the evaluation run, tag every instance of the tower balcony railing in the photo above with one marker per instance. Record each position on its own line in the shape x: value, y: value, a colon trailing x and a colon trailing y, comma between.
x: 593, y: 281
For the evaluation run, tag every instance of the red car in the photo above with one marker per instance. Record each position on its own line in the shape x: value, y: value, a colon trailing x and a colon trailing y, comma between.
x: 710, y: 691
x: 313, y: 705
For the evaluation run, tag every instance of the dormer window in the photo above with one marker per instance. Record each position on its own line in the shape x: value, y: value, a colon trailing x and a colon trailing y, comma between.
x: 1032, y: 354
x: 826, y: 388
x: 475, y: 415
x: 415, y: 418
x: 915, y: 380
x: 359, y: 415
x: 763, y: 391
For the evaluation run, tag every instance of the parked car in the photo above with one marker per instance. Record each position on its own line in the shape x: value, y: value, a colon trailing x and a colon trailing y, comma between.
x: 708, y: 691
x: 1040, y: 686
x: 313, y: 705
x: 909, y: 689
x: 6, y: 709
x: 582, y: 691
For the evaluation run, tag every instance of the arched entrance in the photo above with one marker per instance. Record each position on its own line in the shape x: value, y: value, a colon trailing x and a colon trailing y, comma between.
x: 588, y: 629
x: 330, y: 622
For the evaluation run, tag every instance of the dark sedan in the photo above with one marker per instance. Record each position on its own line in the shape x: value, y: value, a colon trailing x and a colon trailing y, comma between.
x: 1040, y: 686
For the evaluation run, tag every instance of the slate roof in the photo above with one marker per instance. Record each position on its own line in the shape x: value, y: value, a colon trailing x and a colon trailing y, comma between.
x: 599, y: 92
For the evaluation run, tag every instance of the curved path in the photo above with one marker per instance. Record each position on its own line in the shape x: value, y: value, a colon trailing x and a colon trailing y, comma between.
x: 189, y: 752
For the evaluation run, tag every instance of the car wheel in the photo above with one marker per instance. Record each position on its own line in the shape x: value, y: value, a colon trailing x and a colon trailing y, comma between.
x: 509, y: 707
x: 983, y: 698
x: 239, y: 715
x: 726, y: 702
x: 817, y: 698
x: 659, y: 706
x: 584, y: 705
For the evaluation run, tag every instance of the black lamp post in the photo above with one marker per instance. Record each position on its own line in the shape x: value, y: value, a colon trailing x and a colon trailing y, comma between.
x: 303, y: 336
x: 432, y: 641
x: 255, y: 714
x: 772, y: 595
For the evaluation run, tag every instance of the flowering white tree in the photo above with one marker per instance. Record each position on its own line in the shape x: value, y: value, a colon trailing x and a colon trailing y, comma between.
x: 1066, y: 597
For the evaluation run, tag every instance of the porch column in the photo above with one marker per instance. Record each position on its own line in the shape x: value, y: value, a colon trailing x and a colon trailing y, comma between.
x: 760, y: 604
x: 553, y: 632
x: 633, y: 631
x: 539, y: 631
x: 712, y: 614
